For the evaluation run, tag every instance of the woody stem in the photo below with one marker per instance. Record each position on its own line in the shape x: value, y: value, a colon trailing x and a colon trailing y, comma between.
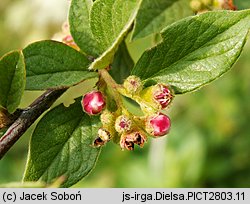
x: 27, y: 117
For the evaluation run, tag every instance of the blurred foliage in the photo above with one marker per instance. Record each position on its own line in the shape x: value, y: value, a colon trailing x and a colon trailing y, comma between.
x: 242, y: 4
x: 208, y: 145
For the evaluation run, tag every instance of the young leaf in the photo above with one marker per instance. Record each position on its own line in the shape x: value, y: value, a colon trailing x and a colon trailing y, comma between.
x: 154, y: 15
x: 110, y: 20
x: 79, y: 22
x: 52, y: 64
x: 61, y: 146
x: 122, y: 64
x: 196, y: 50
x: 12, y: 80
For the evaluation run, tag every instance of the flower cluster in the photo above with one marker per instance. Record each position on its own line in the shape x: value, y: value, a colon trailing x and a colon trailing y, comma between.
x: 121, y: 126
x: 200, y: 6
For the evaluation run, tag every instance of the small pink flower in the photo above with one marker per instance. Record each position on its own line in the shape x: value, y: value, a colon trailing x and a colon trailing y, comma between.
x: 162, y: 95
x: 93, y: 102
x: 158, y: 125
x: 123, y: 124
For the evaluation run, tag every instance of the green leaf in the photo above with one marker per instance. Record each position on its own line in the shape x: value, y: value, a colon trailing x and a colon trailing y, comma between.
x: 79, y: 21
x: 23, y: 185
x: 110, y: 21
x: 196, y: 50
x: 61, y: 145
x: 12, y: 80
x: 138, y: 47
x: 53, y: 64
x: 122, y: 64
x: 154, y: 15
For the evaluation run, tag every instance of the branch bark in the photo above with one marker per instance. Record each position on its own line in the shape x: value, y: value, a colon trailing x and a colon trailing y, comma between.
x: 27, y: 117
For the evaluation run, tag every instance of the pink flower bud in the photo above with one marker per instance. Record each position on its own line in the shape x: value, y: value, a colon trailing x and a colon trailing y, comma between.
x: 93, y: 102
x: 162, y: 95
x: 158, y: 125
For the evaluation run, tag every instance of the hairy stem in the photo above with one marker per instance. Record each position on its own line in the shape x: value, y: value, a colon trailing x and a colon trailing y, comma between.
x: 27, y: 117
x: 113, y: 85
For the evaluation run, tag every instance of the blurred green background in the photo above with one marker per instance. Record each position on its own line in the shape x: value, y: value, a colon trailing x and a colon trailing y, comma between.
x: 208, y: 145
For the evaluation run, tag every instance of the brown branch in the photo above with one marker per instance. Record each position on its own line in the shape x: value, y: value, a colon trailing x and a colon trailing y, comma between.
x: 27, y: 117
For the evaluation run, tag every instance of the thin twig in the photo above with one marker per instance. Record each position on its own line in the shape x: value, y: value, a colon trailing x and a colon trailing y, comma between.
x: 27, y: 117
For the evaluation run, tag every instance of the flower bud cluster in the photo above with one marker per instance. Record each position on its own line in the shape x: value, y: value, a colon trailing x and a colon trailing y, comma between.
x: 124, y: 128
x: 200, y: 6
x: 153, y: 100
x: 224, y: 4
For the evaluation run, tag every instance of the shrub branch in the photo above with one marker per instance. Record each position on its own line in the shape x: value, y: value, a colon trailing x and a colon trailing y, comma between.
x: 27, y: 117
